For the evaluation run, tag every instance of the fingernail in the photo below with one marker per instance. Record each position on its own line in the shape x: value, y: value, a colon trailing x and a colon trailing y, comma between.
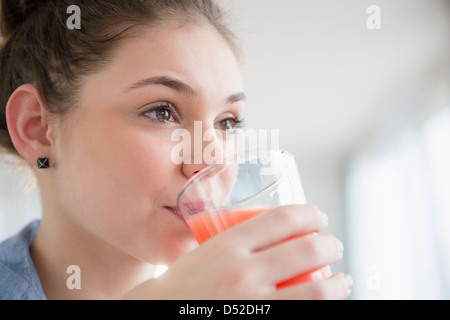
x: 340, y: 246
x: 325, y: 217
x: 349, y: 282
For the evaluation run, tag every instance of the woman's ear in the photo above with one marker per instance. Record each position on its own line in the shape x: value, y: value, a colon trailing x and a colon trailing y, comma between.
x: 27, y: 120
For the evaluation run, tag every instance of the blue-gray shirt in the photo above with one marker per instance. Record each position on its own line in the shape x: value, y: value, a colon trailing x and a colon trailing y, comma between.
x: 18, y: 277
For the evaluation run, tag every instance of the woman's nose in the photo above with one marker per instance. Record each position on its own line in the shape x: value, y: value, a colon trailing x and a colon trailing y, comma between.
x: 205, y: 147
x: 191, y: 169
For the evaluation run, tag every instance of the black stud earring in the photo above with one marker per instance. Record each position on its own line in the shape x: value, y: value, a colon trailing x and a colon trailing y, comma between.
x: 43, y: 163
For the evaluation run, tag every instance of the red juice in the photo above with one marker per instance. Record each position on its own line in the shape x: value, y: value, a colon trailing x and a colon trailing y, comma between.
x: 206, y: 225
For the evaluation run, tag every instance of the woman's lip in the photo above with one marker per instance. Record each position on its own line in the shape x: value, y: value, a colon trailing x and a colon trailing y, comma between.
x: 176, y: 212
x: 197, y: 206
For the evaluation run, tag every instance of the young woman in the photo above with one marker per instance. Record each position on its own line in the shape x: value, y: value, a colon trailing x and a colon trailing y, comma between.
x: 91, y: 111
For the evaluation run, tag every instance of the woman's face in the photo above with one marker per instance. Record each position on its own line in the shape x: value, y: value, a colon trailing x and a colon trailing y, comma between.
x: 116, y: 178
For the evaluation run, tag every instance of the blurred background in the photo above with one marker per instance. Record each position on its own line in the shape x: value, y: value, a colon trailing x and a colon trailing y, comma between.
x: 361, y: 96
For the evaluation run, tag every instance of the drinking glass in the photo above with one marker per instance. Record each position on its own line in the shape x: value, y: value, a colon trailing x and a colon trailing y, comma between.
x: 239, y: 188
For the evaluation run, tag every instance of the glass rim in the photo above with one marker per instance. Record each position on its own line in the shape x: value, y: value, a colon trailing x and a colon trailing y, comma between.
x: 207, y: 170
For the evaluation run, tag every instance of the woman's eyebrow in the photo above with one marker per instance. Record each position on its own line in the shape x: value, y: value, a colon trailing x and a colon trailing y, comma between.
x: 179, y: 86
x: 164, y: 81
x: 236, y: 97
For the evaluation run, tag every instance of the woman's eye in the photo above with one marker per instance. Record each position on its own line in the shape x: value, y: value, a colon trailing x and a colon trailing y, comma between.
x: 227, y: 125
x: 162, y: 114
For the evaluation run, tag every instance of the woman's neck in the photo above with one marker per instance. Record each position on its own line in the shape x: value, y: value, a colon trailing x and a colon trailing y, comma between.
x: 73, y: 264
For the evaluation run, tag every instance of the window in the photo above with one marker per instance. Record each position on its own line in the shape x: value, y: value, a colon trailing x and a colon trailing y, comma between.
x: 398, y: 213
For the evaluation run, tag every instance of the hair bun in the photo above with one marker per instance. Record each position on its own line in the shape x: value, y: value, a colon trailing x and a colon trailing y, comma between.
x: 14, y: 13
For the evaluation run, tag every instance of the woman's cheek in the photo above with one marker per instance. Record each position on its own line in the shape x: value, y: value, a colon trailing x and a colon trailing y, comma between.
x: 149, y: 157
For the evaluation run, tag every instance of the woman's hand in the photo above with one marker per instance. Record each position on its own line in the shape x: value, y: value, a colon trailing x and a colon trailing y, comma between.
x: 248, y: 260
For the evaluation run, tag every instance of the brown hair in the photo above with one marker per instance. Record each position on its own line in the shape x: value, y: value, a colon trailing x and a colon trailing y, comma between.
x: 38, y: 48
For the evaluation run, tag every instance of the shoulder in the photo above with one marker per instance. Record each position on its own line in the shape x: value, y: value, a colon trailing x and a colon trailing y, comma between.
x: 18, y: 277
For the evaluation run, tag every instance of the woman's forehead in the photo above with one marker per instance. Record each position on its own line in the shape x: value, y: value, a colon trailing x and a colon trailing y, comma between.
x: 196, y: 55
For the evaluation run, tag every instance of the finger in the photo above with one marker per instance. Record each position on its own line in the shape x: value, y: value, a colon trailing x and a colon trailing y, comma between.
x: 336, y: 287
x: 277, y: 225
x: 297, y: 256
